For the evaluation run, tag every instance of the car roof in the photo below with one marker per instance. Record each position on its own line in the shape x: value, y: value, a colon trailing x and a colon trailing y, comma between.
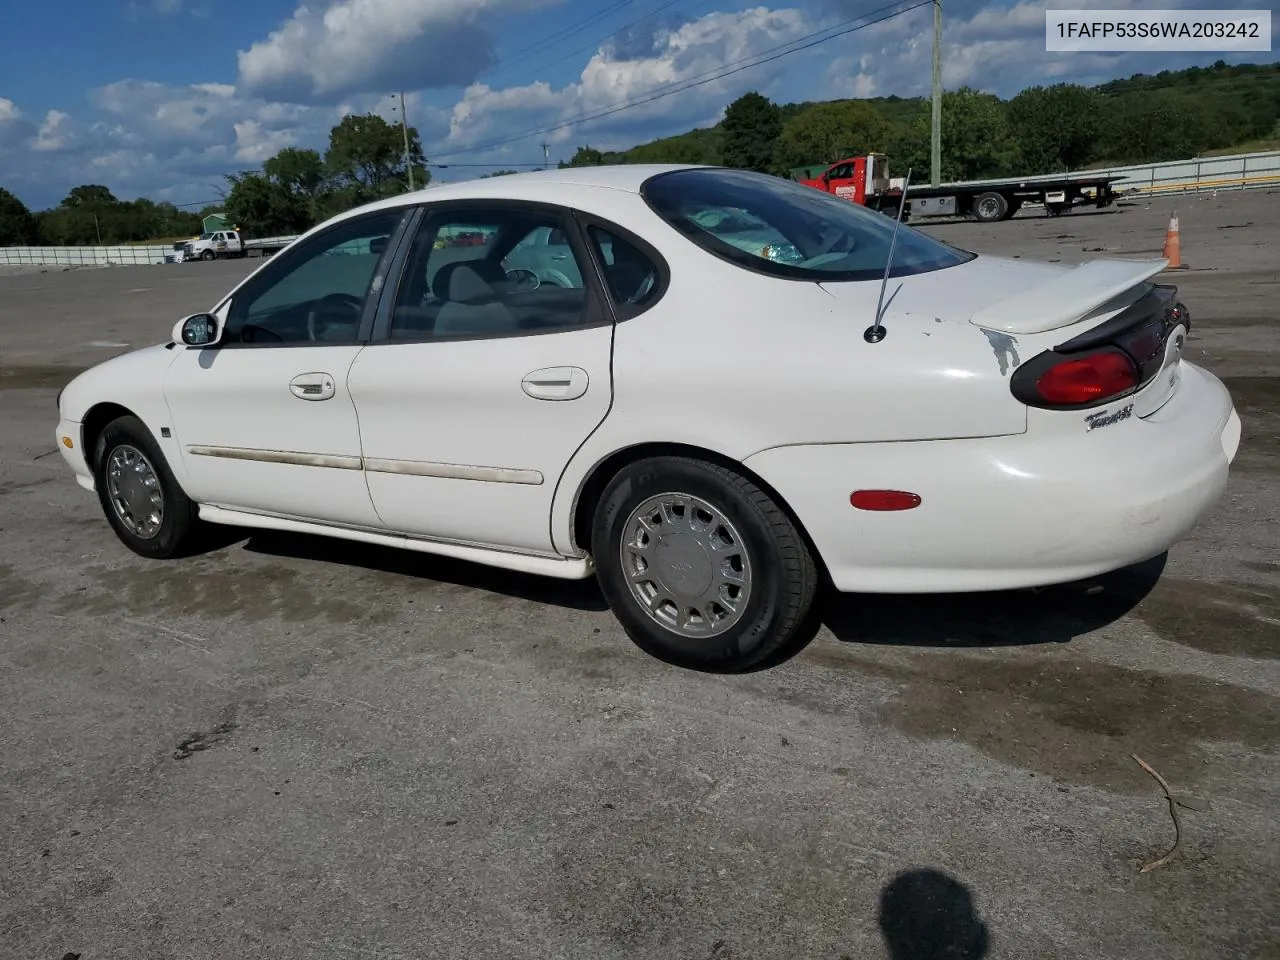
x: 547, y: 186
x: 628, y: 177
x: 534, y: 185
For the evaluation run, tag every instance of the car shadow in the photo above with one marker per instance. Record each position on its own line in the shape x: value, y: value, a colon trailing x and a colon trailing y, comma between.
x: 1051, y: 615
x: 573, y: 594
x: 1012, y: 618
x: 1056, y: 614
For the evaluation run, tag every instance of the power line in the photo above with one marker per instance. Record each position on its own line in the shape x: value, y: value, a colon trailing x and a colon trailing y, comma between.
x: 445, y: 166
x: 706, y: 77
x: 709, y: 76
x: 595, y: 44
x: 554, y: 39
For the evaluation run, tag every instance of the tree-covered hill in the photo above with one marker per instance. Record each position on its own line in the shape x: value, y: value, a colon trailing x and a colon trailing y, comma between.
x: 1144, y: 118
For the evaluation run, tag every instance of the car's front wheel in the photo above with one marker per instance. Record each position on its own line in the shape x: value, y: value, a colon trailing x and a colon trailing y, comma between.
x: 702, y: 568
x: 144, y: 504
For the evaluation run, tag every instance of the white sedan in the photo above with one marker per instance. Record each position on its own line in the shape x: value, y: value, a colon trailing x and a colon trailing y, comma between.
x: 675, y: 379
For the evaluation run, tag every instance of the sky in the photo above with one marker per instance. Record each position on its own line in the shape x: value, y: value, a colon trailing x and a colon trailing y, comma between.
x: 162, y: 98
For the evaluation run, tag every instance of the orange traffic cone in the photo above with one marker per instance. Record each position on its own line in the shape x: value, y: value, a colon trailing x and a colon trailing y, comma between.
x: 1173, y: 244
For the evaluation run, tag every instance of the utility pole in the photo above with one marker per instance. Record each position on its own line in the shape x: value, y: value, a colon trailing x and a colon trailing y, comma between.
x: 546, y: 155
x: 404, y: 127
x: 936, y: 146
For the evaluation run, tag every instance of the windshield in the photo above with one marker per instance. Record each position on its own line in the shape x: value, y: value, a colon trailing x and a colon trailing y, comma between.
x: 784, y: 229
x: 206, y: 236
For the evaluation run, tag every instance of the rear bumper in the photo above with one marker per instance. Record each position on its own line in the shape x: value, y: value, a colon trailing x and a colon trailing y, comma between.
x: 1011, y: 512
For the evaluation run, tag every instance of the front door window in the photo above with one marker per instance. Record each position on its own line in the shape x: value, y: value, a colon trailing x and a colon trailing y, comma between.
x: 318, y: 293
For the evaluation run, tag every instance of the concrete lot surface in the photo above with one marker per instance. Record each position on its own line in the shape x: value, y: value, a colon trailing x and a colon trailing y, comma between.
x: 291, y: 747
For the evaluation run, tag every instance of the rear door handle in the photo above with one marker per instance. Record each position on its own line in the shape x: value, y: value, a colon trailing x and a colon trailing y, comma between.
x: 556, y: 383
x: 312, y: 386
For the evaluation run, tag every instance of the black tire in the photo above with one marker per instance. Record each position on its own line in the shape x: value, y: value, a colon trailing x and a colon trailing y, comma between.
x: 179, y: 525
x: 207, y: 255
x: 784, y: 577
x: 990, y: 207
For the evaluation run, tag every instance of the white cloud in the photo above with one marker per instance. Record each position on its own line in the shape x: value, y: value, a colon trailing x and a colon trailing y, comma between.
x: 694, y: 50
x: 994, y: 47
x: 54, y: 133
x: 255, y: 145
x: 362, y: 46
x: 176, y: 141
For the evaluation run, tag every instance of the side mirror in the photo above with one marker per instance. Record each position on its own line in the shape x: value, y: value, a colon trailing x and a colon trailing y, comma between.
x: 198, y: 330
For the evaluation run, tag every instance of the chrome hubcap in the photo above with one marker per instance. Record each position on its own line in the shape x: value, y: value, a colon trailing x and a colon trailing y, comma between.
x: 686, y: 565
x: 134, y: 491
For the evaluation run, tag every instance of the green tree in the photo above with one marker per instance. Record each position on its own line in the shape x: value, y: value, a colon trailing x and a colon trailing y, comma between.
x: 251, y: 205
x: 976, y: 140
x: 366, y: 157
x: 1156, y: 126
x: 584, y: 157
x: 497, y: 173
x: 910, y: 148
x: 298, y: 184
x: 264, y: 204
x: 1058, y: 127
x: 705, y: 146
x: 18, y: 228
x: 828, y: 132
x: 751, y: 126
x: 90, y: 196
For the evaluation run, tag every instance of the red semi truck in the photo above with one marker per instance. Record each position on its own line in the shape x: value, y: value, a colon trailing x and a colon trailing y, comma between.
x: 866, y: 180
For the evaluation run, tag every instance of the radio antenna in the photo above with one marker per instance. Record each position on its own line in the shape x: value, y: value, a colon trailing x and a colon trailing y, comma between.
x: 876, y: 332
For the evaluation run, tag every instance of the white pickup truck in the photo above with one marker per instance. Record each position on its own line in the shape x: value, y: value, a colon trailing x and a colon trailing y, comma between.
x: 210, y: 246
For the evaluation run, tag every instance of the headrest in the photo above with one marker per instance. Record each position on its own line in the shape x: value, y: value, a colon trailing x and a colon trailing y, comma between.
x: 467, y: 280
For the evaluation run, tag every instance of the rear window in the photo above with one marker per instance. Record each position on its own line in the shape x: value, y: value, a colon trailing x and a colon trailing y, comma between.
x: 780, y: 228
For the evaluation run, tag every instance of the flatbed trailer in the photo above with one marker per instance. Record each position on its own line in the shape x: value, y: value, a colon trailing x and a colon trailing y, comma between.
x: 866, y: 180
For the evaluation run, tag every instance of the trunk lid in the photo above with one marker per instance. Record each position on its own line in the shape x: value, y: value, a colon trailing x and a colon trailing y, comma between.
x: 1090, y: 291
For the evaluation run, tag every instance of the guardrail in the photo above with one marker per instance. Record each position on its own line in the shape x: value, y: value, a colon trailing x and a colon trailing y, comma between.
x: 134, y: 255
x: 1241, y: 171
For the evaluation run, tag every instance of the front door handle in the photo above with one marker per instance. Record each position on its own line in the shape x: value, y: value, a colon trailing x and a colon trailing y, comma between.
x: 556, y: 383
x: 312, y: 386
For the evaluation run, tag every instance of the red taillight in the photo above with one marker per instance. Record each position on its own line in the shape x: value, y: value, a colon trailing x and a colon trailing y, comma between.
x: 884, y: 500
x: 1088, y: 379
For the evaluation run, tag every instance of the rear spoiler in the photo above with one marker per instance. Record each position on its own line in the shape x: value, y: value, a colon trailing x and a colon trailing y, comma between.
x: 1070, y: 296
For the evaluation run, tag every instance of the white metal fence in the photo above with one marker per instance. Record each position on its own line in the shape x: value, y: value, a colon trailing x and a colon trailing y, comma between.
x: 86, y: 256
x: 1241, y: 171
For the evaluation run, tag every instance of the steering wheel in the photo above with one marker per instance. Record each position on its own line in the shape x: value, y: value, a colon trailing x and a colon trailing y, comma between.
x: 346, y: 301
x: 526, y: 281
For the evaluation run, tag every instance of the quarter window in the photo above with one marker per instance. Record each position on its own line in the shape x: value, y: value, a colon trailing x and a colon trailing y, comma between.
x: 489, y: 272
x: 316, y: 293
x: 632, y: 277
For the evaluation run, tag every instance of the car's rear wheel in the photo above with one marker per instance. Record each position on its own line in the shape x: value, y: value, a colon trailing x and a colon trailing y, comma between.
x: 701, y: 567
x: 144, y: 504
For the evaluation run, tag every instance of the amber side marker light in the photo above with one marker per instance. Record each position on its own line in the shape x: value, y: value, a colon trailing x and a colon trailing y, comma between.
x: 66, y: 442
x: 883, y: 500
